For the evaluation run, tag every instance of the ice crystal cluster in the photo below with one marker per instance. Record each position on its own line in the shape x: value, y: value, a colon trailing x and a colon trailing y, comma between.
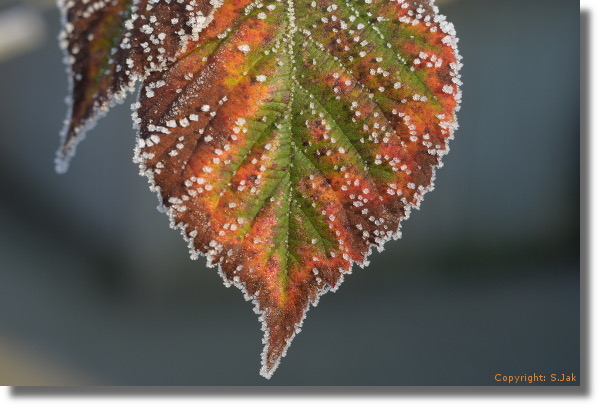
x: 284, y: 138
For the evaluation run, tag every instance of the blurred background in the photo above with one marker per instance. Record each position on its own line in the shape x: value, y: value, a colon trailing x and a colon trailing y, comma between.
x: 96, y: 289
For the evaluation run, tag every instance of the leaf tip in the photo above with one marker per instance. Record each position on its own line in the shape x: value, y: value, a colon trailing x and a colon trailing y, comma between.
x: 61, y: 166
x: 69, y: 139
x: 63, y: 156
x: 271, y: 355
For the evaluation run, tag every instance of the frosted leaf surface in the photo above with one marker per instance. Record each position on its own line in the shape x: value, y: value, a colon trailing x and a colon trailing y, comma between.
x: 284, y: 138
x: 110, y: 44
x: 294, y: 137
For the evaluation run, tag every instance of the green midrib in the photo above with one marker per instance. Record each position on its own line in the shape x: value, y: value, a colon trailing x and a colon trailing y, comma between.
x: 291, y: 138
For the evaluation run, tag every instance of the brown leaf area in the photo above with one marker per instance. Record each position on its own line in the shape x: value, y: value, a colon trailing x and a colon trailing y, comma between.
x: 110, y: 44
x: 285, y: 138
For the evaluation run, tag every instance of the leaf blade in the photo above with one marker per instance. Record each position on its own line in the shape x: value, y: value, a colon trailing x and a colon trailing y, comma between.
x: 284, y: 158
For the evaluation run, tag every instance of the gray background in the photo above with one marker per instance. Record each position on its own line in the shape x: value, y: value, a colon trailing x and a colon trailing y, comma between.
x: 96, y: 289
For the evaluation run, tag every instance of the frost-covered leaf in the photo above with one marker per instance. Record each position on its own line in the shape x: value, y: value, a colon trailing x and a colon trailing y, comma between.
x: 109, y: 44
x: 294, y: 136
